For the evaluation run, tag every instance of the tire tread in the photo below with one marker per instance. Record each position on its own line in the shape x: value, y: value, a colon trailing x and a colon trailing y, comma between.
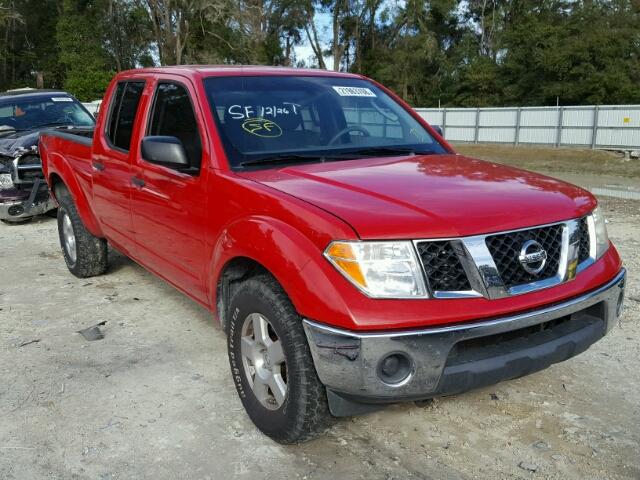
x: 313, y: 416
x: 91, y: 251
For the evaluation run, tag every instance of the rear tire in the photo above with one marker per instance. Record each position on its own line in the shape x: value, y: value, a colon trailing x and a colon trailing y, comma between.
x: 85, y: 254
x: 21, y: 221
x: 271, y: 363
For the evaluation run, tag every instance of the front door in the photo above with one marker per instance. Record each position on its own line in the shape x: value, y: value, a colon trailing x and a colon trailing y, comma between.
x: 169, y: 205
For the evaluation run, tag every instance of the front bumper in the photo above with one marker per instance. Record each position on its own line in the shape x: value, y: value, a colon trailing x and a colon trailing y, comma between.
x: 37, y: 202
x: 453, y: 359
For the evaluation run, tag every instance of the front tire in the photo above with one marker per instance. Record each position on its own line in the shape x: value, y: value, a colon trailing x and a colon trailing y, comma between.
x: 85, y: 254
x: 271, y: 363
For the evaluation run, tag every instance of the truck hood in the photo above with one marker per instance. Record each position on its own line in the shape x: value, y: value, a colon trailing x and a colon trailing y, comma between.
x: 15, y: 143
x: 429, y: 196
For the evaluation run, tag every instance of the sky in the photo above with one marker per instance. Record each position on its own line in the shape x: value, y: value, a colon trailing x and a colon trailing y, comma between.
x: 305, y: 52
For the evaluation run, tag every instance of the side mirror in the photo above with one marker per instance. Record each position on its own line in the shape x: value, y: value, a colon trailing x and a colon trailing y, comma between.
x: 163, y: 150
x: 438, y: 129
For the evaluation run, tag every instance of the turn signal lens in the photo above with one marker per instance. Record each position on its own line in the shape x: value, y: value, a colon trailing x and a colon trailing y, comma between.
x: 343, y: 257
x: 379, y: 269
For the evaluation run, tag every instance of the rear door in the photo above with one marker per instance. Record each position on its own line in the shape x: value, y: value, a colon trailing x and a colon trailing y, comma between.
x: 169, y: 205
x: 111, y: 164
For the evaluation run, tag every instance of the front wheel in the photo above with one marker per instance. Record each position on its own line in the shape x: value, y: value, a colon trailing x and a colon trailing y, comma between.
x: 271, y: 363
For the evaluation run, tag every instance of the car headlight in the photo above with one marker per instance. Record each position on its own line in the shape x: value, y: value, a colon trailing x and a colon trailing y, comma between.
x: 600, y: 232
x: 379, y: 269
x: 5, y: 181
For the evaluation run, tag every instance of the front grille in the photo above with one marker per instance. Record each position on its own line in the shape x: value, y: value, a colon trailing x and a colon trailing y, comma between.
x: 480, y: 348
x: 584, y: 242
x: 502, y: 344
x: 442, y: 266
x: 505, y: 250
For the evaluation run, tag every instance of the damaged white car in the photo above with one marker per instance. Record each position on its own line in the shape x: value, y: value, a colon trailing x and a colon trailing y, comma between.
x: 23, y: 115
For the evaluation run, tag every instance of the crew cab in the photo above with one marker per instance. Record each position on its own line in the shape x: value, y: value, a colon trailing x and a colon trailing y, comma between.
x: 352, y: 257
x: 24, y: 114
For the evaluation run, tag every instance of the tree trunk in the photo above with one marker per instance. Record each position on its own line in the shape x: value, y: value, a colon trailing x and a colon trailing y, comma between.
x: 314, y: 42
x: 335, y: 46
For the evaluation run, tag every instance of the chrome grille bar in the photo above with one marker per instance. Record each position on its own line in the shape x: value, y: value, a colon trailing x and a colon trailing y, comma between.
x: 484, y: 276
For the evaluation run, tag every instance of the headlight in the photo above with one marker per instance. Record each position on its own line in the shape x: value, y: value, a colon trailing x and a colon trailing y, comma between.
x: 601, y: 235
x: 5, y: 181
x: 379, y: 269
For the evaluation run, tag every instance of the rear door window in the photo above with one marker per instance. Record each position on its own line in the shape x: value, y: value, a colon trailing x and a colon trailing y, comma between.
x: 123, y: 114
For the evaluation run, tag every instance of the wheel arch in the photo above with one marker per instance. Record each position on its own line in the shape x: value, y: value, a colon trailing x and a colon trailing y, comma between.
x: 60, y: 174
x: 233, y: 272
x: 261, y: 244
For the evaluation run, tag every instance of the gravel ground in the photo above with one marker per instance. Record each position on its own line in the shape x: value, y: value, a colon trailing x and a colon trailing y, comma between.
x: 154, y: 398
x: 569, y: 160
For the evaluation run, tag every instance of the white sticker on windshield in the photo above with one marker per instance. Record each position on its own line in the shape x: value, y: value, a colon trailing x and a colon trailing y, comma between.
x: 62, y: 99
x: 354, y: 92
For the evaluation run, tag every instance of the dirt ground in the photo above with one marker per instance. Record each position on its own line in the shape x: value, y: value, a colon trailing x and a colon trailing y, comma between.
x: 154, y: 398
x: 595, y: 162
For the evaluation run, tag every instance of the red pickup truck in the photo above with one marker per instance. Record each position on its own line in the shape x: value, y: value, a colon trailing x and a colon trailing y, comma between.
x: 353, y: 258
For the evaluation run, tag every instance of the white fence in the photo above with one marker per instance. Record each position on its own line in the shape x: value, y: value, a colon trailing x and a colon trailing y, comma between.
x: 93, y: 107
x: 602, y: 126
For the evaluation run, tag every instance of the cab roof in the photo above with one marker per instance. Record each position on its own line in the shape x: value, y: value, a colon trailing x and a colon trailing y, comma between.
x: 236, y: 70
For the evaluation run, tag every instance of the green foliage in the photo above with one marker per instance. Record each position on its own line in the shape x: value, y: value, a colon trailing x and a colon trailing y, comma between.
x: 27, y: 43
x: 449, y: 52
x: 587, y: 52
x: 81, y: 50
x: 510, y: 53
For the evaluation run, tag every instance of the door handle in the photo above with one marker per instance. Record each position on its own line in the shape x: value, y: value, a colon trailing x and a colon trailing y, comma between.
x: 137, y: 181
x: 97, y: 166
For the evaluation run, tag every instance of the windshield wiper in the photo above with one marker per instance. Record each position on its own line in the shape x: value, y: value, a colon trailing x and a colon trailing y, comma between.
x: 51, y: 124
x: 282, y: 158
x: 375, y: 151
x: 333, y: 156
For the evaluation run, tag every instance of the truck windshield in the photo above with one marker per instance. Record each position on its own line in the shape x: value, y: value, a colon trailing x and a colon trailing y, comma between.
x: 269, y: 120
x: 20, y: 112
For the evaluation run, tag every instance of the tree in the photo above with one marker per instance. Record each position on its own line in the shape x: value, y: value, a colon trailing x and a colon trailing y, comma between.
x: 170, y: 22
x: 580, y: 52
x: 82, y: 55
x: 127, y: 34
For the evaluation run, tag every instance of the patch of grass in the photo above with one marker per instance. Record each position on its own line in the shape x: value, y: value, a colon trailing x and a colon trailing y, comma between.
x: 574, y: 160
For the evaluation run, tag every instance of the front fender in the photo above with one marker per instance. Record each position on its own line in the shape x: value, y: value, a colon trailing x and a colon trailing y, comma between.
x: 291, y: 258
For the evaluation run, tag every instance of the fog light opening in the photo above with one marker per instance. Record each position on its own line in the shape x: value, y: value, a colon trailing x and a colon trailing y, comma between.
x: 15, y: 210
x: 395, y: 369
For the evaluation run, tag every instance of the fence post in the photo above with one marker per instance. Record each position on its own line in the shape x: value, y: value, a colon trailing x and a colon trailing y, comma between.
x: 477, y: 126
x: 559, y: 128
x: 594, y: 130
x: 444, y: 122
x: 516, y: 139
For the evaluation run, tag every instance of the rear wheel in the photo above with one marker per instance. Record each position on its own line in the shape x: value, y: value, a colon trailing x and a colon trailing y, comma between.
x: 21, y: 221
x: 84, y: 253
x: 271, y: 363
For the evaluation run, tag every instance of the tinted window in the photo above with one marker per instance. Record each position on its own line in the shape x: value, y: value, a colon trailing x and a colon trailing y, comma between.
x: 284, y: 118
x: 173, y: 116
x: 123, y: 114
x: 117, y: 98
x: 25, y: 112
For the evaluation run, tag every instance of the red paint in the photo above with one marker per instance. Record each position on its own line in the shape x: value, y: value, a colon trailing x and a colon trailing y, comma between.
x: 185, y: 229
